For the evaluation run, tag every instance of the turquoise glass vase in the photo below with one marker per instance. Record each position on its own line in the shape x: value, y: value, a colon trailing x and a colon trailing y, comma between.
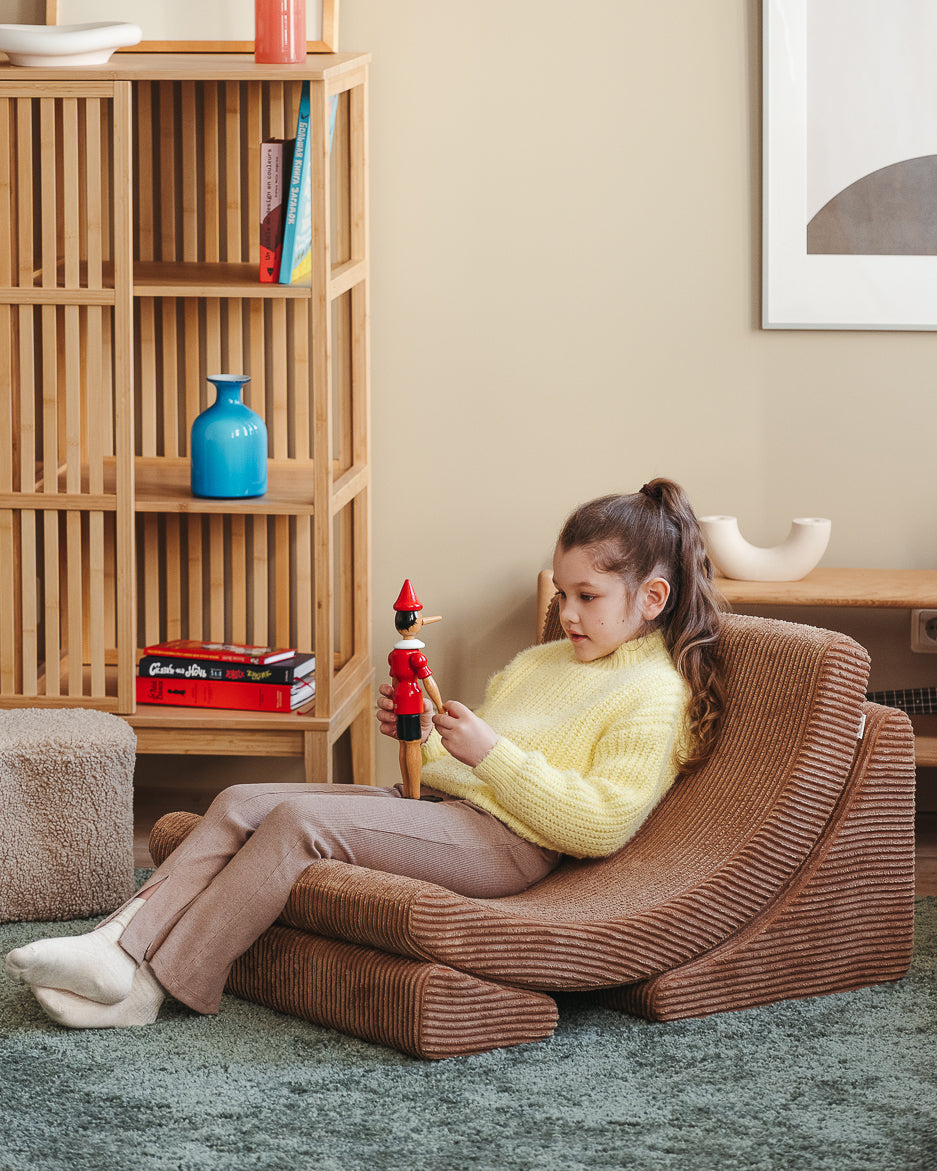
x: 228, y: 449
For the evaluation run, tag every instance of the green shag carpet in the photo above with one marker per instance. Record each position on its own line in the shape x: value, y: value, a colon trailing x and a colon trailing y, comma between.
x: 839, y: 1083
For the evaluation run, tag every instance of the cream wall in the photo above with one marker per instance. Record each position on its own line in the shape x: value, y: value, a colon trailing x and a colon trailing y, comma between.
x: 565, y: 302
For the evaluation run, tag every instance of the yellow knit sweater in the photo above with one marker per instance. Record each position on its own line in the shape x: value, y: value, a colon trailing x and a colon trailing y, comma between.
x: 586, y: 750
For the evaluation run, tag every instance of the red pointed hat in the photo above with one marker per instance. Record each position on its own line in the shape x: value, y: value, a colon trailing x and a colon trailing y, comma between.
x: 407, y: 599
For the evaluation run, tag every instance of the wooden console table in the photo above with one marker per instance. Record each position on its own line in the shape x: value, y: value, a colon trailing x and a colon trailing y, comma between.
x: 896, y: 589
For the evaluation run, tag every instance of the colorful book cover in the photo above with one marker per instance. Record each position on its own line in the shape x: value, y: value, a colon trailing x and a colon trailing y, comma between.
x: 231, y: 652
x: 261, y: 697
x: 276, y: 156
x: 296, y: 261
x: 174, y: 667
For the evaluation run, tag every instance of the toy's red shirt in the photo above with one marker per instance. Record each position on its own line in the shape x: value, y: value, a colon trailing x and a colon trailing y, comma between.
x: 407, y: 665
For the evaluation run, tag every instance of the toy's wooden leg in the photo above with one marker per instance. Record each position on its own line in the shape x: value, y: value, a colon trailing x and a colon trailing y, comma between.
x: 411, y: 766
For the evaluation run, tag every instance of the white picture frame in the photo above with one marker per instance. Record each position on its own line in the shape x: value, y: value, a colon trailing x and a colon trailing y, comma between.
x: 832, y: 120
x: 206, y: 26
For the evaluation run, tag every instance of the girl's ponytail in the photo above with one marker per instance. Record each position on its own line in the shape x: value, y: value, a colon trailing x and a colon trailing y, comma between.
x: 655, y: 532
x: 691, y: 625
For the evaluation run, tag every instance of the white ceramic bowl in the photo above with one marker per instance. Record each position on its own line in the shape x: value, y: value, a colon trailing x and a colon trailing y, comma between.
x: 66, y: 44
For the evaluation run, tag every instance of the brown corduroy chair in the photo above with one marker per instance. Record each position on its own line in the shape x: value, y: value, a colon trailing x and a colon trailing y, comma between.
x: 783, y: 869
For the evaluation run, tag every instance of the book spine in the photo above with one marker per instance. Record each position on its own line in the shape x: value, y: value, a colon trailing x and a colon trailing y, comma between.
x: 261, y: 697
x: 212, y: 656
x: 271, y: 208
x: 298, y: 201
x: 165, y: 667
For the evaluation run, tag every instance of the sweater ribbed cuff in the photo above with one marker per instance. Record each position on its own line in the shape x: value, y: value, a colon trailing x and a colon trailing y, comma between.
x: 501, y: 765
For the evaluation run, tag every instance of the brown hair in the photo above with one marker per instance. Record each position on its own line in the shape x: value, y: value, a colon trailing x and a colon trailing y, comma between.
x: 655, y: 532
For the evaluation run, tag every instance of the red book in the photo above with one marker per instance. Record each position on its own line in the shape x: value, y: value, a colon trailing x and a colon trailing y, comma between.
x: 228, y: 652
x: 253, y: 697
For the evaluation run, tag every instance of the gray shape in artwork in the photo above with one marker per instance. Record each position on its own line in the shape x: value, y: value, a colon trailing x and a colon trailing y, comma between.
x: 890, y: 212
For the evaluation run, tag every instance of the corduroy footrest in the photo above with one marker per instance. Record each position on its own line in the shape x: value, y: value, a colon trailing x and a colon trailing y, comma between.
x: 425, y: 1009
x: 846, y: 921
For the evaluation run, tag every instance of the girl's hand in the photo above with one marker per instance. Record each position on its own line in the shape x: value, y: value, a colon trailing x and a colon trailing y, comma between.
x: 387, y: 721
x: 465, y: 736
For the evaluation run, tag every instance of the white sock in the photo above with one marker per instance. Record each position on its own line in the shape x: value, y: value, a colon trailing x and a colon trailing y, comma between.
x: 141, y: 1007
x: 93, y: 966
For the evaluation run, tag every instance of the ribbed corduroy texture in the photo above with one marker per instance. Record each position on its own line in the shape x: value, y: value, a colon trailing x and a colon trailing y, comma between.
x: 847, y: 917
x: 720, y: 859
x: 424, y: 1009
x: 66, y: 813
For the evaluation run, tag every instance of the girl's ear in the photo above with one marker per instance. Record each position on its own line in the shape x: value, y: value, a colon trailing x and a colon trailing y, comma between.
x: 654, y: 595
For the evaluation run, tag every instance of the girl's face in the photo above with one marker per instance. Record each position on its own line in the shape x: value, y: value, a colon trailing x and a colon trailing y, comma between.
x: 596, y: 611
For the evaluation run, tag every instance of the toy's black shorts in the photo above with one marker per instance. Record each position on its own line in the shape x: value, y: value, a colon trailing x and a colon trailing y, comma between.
x: 408, y: 728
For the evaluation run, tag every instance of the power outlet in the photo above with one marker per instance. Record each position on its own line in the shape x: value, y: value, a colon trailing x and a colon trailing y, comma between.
x: 924, y: 631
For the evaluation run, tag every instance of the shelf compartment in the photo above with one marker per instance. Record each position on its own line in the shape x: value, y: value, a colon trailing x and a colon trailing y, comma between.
x: 229, y: 578
x: 61, y: 605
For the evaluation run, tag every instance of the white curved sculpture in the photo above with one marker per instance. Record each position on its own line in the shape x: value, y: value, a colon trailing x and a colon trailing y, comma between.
x: 793, y: 559
x: 66, y: 44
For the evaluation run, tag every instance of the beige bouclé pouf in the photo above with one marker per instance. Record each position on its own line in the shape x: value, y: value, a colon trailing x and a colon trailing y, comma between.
x: 66, y: 813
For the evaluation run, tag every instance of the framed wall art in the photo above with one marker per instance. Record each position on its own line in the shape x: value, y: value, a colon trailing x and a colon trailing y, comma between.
x: 850, y: 164
x: 206, y: 26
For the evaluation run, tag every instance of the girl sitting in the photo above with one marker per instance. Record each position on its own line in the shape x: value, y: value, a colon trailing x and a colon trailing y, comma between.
x: 575, y: 744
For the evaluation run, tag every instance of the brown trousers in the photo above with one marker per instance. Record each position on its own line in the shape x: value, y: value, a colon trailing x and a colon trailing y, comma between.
x: 230, y: 879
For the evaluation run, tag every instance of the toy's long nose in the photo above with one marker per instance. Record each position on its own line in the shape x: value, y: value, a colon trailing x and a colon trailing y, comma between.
x: 436, y: 618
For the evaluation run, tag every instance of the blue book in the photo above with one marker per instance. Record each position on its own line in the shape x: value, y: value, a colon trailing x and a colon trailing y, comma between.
x: 296, y: 261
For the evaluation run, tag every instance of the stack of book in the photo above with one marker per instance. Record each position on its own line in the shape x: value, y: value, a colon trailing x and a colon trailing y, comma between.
x: 192, y: 673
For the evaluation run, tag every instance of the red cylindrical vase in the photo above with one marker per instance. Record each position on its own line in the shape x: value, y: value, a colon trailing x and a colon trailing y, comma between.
x: 279, y: 32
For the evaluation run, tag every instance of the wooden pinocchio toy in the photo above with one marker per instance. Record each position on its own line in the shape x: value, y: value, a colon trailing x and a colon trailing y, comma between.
x: 408, y: 669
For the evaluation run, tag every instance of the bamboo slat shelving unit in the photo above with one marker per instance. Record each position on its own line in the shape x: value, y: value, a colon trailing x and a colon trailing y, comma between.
x: 127, y: 275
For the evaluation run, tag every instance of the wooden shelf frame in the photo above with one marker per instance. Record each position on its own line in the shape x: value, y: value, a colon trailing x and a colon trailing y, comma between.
x: 132, y: 195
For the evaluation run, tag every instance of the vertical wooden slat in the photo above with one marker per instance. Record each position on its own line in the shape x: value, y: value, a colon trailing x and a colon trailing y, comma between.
x: 187, y: 192
x: 10, y: 651
x: 72, y: 377
x: 194, y: 565
x: 94, y: 197
x: 260, y: 565
x: 238, y: 578
x: 281, y: 562
x: 98, y: 406
x: 212, y: 163
x: 249, y: 214
x: 173, y: 577
x: 302, y: 421
x: 124, y: 406
x: 320, y: 344
x: 169, y: 136
x: 234, y: 165
x: 146, y: 351
x: 71, y: 188
x: 150, y: 580
x: 146, y: 192
x: 216, y: 578
x: 169, y: 383
x: 50, y: 448
x: 277, y: 418
x: 24, y: 185
x: 47, y: 184
x: 29, y: 614
x: 29, y: 610
x: 73, y: 600
x: 51, y: 602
